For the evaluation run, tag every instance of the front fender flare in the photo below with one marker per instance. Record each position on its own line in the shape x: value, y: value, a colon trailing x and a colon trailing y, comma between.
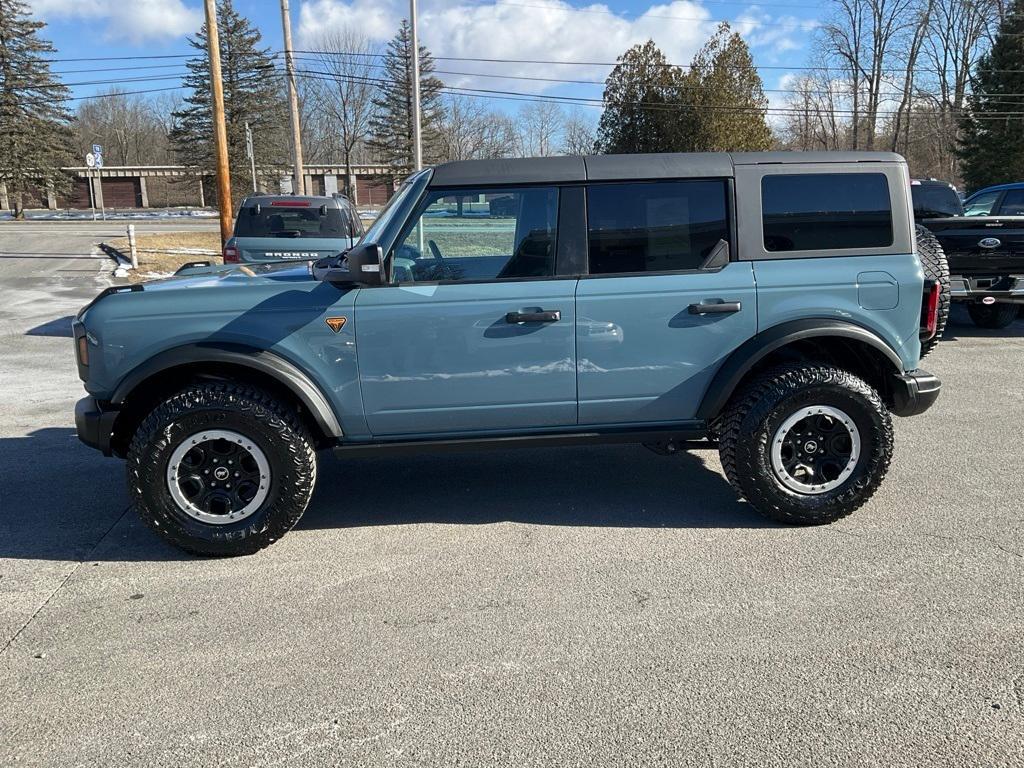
x: 263, y: 361
x: 756, y: 348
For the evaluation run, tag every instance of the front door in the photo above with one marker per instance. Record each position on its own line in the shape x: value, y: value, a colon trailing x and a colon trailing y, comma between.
x: 655, y: 318
x: 477, y: 334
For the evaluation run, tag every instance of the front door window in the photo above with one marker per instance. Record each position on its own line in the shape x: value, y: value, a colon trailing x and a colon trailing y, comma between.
x: 480, y: 234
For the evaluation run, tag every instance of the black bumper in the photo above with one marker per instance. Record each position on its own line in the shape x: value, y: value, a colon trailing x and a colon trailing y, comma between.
x: 998, y: 290
x: 914, y: 392
x: 95, y: 423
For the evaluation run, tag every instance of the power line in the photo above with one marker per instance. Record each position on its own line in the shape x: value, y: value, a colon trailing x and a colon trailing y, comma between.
x: 598, y: 102
x: 549, y: 62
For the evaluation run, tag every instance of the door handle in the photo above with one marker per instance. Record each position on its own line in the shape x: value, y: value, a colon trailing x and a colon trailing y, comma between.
x: 714, y: 307
x: 543, y: 316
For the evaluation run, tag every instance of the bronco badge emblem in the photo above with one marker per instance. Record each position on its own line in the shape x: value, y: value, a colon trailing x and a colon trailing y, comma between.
x: 336, y: 323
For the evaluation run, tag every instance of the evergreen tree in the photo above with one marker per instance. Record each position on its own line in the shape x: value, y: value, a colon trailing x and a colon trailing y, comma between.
x: 724, y: 99
x: 391, y: 124
x: 639, y: 115
x: 991, y: 145
x: 35, y: 127
x: 253, y: 93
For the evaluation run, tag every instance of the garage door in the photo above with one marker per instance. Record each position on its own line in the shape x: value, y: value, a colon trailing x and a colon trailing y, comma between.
x: 372, y: 191
x: 122, y: 193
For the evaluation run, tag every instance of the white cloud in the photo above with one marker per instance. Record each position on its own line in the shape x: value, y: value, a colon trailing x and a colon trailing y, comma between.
x: 134, y: 21
x: 531, y: 29
x: 778, y: 34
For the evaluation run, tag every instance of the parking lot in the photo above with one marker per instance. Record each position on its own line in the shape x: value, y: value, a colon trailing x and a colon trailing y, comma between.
x: 573, y: 606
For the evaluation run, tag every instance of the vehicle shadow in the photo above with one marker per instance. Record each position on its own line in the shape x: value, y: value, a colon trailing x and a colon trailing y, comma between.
x: 616, y: 485
x: 60, y: 327
x: 62, y: 501
x: 961, y: 326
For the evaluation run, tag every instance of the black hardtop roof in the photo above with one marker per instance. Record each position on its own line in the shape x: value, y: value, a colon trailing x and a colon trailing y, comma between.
x: 555, y: 170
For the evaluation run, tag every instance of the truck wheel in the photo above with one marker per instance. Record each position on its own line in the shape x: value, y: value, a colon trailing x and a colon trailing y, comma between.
x: 221, y: 469
x: 806, y: 443
x: 935, y: 266
x: 992, y: 316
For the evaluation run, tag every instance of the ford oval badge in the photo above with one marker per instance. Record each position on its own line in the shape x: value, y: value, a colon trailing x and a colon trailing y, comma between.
x: 990, y: 242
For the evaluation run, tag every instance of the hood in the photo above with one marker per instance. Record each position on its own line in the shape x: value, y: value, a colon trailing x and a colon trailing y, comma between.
x: 226, y: 275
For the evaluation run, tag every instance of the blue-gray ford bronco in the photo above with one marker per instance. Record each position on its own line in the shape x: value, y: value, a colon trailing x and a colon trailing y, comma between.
x: 771, y: 304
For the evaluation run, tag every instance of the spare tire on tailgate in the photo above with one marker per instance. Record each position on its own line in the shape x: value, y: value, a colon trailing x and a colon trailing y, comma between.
x: 933, y: 261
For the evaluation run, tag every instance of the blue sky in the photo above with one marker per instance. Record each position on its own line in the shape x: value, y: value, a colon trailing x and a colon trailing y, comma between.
x: 779, y: 34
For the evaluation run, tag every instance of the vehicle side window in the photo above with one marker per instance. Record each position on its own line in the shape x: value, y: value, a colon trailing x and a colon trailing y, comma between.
x: 355, y: 223
x: 825, y: 211
x: 981, y: 205
x: 480, y: 234
x: 663, y: 226
x: 1013, y: 203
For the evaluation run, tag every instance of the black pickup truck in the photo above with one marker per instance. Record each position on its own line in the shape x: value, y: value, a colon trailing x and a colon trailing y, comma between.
x: 984, y: 246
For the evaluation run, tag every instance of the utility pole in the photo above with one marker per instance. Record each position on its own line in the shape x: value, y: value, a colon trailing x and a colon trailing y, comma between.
x: 417, y: 139
x: 220, y: 131
x: 299, y: 185
x: 252, y: 155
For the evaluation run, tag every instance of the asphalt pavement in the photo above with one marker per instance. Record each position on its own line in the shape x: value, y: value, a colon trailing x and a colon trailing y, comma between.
x: 597, y: 606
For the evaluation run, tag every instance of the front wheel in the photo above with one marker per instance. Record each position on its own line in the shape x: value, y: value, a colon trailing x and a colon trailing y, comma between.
x: 806, y: 443
x: 221, y: 469
x: 993, y: 316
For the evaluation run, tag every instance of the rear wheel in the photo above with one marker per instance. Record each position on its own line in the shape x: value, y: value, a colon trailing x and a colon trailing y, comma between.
x: 806, y: 443
x: 935, y: 266
x: 992, y: 316
x: 221, y: 469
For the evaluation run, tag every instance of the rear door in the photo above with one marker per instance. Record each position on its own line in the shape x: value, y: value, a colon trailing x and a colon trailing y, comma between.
x: 477, y: 334
x: 654, y: 319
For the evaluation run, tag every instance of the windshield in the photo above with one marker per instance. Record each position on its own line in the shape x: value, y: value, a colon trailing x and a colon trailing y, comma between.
x: 932, y: 201
x: 411, y: 186
x: 293, y: 219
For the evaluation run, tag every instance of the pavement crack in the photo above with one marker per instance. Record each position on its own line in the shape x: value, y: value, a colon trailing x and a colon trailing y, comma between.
x: 63, y: 582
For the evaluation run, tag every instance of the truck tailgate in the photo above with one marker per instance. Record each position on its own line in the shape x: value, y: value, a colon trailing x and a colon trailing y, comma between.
x: 981, y: 244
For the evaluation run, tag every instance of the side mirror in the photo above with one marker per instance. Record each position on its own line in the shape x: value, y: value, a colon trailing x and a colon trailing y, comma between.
x: 362, y: 264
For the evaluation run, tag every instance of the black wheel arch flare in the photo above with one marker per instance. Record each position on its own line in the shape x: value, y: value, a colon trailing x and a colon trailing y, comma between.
x: 284, y: 372
x: 757, y: 348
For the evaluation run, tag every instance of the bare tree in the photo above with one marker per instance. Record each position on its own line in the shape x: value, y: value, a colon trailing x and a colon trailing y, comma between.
x: 861, y: 38
x: 579, y: 135
x: 129, y: 127
x: 917, y: 38
x: 469, y: 130
x: 341, y: 87
x: 540, y: 126
x: 958, y: 33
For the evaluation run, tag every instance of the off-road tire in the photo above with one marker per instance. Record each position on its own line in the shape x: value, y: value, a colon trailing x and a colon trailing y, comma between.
x: 273, y: 426
x: 992, y: 316
x: 752, y: 417
x: 935, y: 266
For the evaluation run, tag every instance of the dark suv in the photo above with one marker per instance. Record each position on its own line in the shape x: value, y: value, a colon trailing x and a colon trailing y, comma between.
x: 292, y: 228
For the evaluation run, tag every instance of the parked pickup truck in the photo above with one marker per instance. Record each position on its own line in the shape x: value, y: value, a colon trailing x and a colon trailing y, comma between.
x: 985, y: 250
x: 773, y: 305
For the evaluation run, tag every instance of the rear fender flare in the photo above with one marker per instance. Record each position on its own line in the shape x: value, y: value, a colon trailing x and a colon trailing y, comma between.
x: 758, y: 347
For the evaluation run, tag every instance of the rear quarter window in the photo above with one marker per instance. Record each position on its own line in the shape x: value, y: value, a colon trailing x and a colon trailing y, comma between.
x: 825, y: 211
